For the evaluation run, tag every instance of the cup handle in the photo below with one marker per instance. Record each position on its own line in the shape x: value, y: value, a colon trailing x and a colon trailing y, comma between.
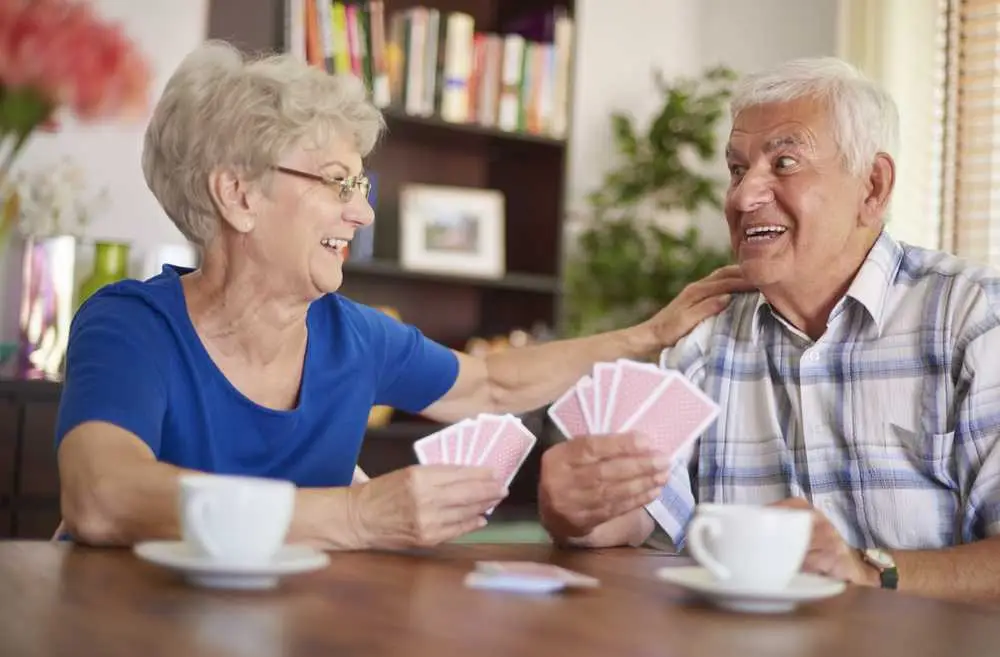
x: 198, y: 516
x: 700, y: 528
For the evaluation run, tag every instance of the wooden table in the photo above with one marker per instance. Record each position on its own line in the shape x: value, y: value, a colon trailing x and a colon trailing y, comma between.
x: 60, y: 600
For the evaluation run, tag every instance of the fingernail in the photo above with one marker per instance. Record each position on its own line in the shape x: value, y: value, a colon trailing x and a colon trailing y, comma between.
x: 724, y: 299
x: 482, y: 522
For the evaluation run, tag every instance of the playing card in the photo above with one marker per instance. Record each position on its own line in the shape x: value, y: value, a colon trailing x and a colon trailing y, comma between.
x: 458, y: 431
x: 585, y: 391
x: 467, y: 428
x: 508, y: 449
x: 567, y: 414
x: 604, y: 374
x: 448, y: 446
x: 633, y: 383
x: 675, y: 413
x: 487, y: 426
x: 429, y: 449
x: 531, y: 569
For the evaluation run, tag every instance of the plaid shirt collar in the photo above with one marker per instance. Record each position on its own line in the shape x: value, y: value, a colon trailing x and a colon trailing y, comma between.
x: 869, y: 288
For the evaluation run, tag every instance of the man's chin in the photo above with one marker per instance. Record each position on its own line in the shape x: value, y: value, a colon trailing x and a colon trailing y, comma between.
x: 760, y: 272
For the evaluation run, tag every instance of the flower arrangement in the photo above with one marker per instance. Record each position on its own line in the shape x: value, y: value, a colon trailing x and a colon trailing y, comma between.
x: 53, y: 200
x: 57, y: 56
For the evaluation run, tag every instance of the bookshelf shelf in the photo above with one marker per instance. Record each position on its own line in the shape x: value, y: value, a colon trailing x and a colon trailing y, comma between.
x: 512, y: 281
x: 397, y: 118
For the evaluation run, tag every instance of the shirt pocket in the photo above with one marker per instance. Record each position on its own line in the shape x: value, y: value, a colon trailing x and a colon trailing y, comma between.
x: 909, y: 489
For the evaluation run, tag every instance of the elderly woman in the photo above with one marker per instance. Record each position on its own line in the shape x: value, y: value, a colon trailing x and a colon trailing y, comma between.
x: 252, y: 364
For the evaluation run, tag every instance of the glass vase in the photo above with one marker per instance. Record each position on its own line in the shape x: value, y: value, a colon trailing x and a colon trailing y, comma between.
x: 110, y: 266
x: 46, y: 305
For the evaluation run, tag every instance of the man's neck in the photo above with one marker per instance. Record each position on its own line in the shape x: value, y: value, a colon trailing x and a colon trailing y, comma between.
x: 807, y: 302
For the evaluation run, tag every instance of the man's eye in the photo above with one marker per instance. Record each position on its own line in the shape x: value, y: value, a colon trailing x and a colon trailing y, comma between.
x: 785, y: 162
x: 737, y: 170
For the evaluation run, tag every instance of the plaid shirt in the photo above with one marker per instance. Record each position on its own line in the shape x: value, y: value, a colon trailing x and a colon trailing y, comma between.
x: 888, y: 423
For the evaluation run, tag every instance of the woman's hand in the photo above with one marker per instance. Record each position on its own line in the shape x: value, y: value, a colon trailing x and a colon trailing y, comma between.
x: 423, y: 505
x: 696, y: 302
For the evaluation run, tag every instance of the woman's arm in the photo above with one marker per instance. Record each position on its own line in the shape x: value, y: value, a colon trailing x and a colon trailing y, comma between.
x: 115, y: 492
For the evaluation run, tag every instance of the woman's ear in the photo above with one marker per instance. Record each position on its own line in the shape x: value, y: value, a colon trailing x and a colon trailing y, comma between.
x: 879, y: 186
x: 230, y: 193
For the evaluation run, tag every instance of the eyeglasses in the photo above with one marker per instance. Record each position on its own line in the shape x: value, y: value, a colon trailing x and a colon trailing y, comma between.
x: 345, y: 187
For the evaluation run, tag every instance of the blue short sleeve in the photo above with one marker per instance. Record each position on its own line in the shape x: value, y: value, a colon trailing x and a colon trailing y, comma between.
x: 111, y: 369
x: 413, y: 371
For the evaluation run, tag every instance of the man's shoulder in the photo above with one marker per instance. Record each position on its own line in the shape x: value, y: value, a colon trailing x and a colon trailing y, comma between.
x: 950, y: 279
x: 734, y: 321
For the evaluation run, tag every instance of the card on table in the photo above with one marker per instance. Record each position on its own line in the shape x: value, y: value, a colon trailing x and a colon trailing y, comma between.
x: 532, y: 569
x: 501, y: 442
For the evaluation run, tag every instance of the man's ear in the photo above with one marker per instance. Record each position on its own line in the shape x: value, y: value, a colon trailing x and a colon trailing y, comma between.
x: 878, y: 189
x: 230, y: 193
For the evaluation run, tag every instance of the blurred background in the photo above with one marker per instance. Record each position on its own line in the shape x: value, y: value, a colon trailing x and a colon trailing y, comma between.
x: 567, y: 182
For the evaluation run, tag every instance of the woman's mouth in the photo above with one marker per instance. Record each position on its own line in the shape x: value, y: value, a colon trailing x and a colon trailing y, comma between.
x: 336, y: 244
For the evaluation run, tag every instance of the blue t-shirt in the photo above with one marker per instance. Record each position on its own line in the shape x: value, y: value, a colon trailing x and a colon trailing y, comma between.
x: 135, y: 361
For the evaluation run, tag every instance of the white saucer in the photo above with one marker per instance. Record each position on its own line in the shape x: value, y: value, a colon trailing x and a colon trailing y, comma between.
x: 803, y: 588
x: 202, y: 571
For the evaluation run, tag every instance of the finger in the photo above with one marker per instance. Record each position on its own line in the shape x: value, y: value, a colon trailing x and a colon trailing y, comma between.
x: 444, y: 475
x: 706, y: 289
x: 615, y: 508
x: 457, y: 529
x: 623, y: 491
x: 626, y: 468
x: 726, y: 271
x: 591, y: 449
x: 464, y: 493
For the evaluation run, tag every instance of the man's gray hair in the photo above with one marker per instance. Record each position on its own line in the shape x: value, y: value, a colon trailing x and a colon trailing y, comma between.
x: 221, y: 110
x: 865, y: 117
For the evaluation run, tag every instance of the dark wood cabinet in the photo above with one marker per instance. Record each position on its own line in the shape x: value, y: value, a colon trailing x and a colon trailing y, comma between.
x: 29, y: 475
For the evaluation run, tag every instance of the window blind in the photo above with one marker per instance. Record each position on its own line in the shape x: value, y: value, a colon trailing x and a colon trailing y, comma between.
x: 970, y: 136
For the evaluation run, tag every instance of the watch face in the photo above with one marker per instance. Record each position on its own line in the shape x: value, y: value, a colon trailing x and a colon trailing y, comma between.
x: 879, y: 558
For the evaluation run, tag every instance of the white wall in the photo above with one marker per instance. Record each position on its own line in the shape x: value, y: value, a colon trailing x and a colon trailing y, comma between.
x: 165, y: 30
x: 620, y: 42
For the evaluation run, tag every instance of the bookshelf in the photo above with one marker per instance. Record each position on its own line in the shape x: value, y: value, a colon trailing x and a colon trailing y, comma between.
x: 527, y: 166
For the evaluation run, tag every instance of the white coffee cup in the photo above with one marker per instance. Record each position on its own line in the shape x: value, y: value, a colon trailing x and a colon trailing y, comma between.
x: 235, y: 520
x: 750, y: 547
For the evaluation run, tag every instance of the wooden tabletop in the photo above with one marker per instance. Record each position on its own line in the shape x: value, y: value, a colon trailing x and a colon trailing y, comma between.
x: 60, y: 600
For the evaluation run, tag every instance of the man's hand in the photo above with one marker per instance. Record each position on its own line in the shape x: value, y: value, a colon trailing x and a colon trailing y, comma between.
x: 696, y: 302
x: 829, y: 554
x: 590, y: 480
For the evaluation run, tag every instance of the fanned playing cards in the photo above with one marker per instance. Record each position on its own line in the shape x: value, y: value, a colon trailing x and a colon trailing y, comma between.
x: 626, y: 396
x: 501, y: 442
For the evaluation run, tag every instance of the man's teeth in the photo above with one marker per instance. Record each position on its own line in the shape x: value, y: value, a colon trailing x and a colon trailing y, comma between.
x: 755, y: 233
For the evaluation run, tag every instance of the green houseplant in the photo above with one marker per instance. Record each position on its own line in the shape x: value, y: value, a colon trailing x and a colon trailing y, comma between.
x: 625, y: 265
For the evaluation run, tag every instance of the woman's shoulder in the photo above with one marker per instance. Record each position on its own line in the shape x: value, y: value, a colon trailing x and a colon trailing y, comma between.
x: 134, y: 304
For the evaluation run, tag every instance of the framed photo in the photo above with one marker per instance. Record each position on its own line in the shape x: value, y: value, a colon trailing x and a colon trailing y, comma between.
x: 453, y: 230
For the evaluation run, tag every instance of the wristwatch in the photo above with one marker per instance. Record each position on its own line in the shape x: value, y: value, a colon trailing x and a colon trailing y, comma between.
x: 883, y: 562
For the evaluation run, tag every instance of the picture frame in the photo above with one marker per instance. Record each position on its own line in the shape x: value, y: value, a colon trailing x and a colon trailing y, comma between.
x: 452, y: 230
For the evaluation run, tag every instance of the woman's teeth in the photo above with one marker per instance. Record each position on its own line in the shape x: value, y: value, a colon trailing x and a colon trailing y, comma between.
x: 335, y: 243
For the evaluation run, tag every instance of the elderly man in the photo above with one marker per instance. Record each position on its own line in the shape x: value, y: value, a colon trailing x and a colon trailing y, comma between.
x: 857, y: 382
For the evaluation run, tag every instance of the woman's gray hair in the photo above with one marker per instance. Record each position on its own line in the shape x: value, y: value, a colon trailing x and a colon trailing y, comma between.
x: 221, y: 110
x: 864, y: 115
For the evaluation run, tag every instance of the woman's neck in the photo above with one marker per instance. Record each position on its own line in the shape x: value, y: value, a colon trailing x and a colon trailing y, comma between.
x: 241, y: 313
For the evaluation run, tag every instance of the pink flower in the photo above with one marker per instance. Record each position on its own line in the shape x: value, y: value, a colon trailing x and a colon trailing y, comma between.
x: 62, y: 52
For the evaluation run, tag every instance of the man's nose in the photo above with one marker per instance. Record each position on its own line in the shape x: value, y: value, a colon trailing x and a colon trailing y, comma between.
x: 754, y: 191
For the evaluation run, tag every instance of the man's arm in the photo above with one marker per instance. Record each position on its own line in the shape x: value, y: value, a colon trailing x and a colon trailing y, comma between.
x: 115, y: 492
x: 526, y: 378
x: 966, y: 572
